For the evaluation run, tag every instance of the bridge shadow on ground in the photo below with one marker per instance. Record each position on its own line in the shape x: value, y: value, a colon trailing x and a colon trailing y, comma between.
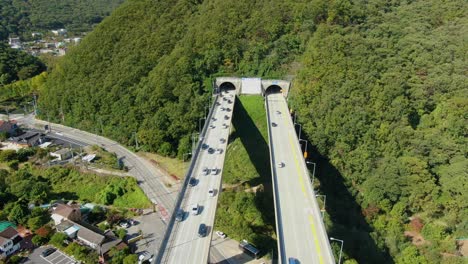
x: 348, y: 222
x: 258, y: 152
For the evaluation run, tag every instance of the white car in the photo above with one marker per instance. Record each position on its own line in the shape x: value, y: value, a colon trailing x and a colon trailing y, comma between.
x: 280, y: 164
x: 214, y: 171
x: 219, y: 151
x: 211, y: 192
x: 205, y: 171
x: 124, y: 224
x: 278, y: 112
x: 221, y: 234
x: 222, y: 140
x: 194, y: 209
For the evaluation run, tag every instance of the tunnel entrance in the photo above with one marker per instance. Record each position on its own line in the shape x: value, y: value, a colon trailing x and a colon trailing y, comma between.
x: 272, y: 89
x: 226, y: 86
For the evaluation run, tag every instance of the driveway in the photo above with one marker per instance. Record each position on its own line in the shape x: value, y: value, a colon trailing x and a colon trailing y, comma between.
x: 152, y: 228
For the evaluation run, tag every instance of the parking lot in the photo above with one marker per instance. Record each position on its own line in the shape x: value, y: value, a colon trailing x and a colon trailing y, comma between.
x: 57, y: 257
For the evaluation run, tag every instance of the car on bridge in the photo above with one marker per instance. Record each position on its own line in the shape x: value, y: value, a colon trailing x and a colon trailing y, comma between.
x: 211, y: 150
x: 195, y: 209
x: 205, y: 171
x: 202, y: 230
x: 214, y: 171
x: 192, y: 182
x: 211, y: 192
x: 180, y: 215
x: 226, y: 117
x: 280, y: 164
x: 273, y: 124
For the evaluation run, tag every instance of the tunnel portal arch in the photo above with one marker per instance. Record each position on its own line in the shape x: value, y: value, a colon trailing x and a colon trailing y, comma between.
x: 227, y: 86
x: 273, y: 89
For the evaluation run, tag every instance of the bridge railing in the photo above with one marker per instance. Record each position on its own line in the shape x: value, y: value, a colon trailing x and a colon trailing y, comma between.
x: 180, y: 196
x: 279, y: 228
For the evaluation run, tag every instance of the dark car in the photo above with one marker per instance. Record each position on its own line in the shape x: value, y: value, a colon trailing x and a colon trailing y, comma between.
x: 204, y: 146
x: 202, y: 230
x: 180, y: 215
x: 211, y: 150
x: 273, y: 124
x: 192, y: 182
x: 47, y: 252
x: 226, y: 117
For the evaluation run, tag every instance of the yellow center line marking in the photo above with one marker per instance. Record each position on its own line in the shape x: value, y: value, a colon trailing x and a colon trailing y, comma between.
x: 301, y: 181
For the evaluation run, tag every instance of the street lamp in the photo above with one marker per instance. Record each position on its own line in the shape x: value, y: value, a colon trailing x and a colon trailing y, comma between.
x: 193, y: 141
x: 341, y: 250
x: 313, y: 172
x: 305, y: 150
x: 324, y: 202
x: 300, y: 128
x: 199, y: 123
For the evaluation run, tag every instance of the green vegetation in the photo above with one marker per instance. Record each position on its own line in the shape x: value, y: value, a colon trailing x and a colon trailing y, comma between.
x: 173, y: 166
x: 383, y: 97
x: 23, y: 17
x: 17, y: 65
x: 245, y: 207
x: 380, y: 88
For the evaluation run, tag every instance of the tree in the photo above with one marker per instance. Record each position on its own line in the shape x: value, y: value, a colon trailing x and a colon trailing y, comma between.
x: 58, y: 239
x: 130, y: 259
x: 39, y: 240
x: 121, y: 233
x: 18, y: 213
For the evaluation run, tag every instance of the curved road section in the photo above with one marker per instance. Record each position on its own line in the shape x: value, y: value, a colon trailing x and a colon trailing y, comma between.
x: 301, y: 232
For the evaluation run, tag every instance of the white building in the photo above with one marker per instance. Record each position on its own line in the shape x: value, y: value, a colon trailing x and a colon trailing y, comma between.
x: 9, y: 242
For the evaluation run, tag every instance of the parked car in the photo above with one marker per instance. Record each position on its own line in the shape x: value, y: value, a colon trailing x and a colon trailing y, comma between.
x: 221, y: 234
x: 48, y: 251
x: 124, y: 224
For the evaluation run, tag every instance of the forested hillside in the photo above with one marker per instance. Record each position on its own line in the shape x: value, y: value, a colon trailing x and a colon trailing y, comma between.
x: 25, y: 16
x: 380, y: 88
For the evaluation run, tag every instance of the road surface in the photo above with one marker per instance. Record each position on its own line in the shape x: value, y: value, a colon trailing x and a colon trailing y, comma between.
x: 148, y: 176
x: 185, y: 246
x: 301, y: 232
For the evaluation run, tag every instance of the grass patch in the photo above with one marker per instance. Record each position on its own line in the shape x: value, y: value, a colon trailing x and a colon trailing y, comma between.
x: 70, y: 184
x: 241, y: 214
x: 171, y: 165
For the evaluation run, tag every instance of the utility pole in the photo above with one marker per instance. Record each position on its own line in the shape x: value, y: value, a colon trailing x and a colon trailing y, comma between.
x: 136, y: 139
x: 35, y: 104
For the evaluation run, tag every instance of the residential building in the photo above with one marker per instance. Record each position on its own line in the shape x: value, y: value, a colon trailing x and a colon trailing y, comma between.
x: 28, y: 139
x: 62, y: 154
x: 64, y: 212
x: 9, y: 241
x: 10, y: 127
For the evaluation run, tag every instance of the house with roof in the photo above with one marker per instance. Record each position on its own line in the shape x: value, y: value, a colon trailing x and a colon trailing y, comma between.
x: 67, y: 220
x: 28, y: 139
x: 9, y: 241
x: 10, y: 127
x: 62, y: 154
x: 64, y: 212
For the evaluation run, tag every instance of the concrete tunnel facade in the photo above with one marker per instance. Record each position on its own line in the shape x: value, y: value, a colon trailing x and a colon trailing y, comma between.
x: 251, y: 85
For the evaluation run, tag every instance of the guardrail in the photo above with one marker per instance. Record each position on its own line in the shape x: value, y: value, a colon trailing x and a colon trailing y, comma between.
x: 279, y: 228
x: 181, y: 194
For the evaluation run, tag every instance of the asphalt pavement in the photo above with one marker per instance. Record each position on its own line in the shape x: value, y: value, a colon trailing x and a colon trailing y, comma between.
x: 301, y: 232
x: 185, y: 245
